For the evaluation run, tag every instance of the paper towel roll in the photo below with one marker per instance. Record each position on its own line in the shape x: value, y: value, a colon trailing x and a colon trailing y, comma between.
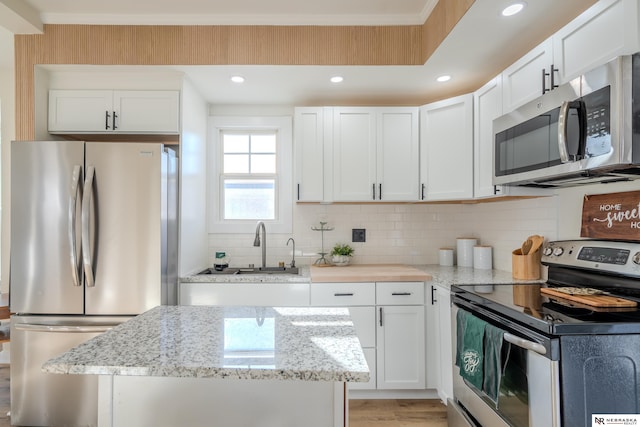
x: 482, y: 257
x: 446, y: 257
x: 465, y: 251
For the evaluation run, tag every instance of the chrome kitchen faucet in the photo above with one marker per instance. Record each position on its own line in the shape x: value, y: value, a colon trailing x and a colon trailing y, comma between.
x: 256, y: 242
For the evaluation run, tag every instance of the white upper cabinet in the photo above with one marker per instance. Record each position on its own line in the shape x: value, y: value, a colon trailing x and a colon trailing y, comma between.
x: 375, y: 154
x: 487, y: 106
x: 354, y: 154
x: 310, y: 128
x: 529, y: 77
x: 107, y: 111
x: 607, y: 29
x: 446, y: 149
x: 397, y: 154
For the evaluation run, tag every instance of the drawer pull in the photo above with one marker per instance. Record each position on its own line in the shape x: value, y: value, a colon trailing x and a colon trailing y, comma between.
x: 401, y: 294
x: 343, y: 295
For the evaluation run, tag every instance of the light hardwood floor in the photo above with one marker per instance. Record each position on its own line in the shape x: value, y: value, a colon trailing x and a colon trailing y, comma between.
x: 362, y: 413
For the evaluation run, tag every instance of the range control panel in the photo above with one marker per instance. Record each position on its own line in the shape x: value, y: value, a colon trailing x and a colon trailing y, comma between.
x: 604, y: 255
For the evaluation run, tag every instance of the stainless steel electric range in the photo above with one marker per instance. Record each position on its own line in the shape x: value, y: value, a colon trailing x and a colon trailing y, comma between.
x: 572, y: 342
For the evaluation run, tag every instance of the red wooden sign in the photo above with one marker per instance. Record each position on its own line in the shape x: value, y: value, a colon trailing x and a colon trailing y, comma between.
x: 614, y: 216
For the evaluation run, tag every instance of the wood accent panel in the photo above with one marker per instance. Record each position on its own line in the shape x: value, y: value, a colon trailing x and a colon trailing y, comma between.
x: 439, y: 24
x: 219, y: 45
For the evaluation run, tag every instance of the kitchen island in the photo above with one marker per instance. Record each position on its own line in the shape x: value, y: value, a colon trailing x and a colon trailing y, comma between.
x: 227, y: 366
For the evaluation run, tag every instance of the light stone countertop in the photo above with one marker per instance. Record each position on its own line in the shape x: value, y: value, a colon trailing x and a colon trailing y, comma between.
x: 443, y: 276
x: 260, y: 343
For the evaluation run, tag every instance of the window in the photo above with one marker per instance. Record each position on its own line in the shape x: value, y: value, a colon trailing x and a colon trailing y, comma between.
x: 251, y: 174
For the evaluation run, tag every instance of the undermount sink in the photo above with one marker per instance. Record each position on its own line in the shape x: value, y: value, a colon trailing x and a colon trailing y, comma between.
x: 251, y: 270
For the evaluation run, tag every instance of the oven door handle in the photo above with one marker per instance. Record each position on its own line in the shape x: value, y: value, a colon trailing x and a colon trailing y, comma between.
x: 526, y: 344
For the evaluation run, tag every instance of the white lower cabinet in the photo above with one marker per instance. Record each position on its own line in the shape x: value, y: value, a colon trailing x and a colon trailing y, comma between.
x: 439, y: 350
x: 258, y: 294
x: 389, y: 319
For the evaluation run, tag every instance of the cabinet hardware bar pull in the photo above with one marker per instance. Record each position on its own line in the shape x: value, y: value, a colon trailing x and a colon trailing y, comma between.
x: 544, y: 81
x: 553, y: 83
x: 374, y: 190
x: 298, y: 191
x: 380, y: 192
x: 380, y: 316
x: 422, y: 195
x: 106, y: 120
x: 115, y: 116
x: 401, y: 294
x: 346, y: 294
x: 433, y: 295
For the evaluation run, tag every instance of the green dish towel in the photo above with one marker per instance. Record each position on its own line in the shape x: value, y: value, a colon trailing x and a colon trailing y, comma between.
x: 493, y: 369
x: 470, y: 348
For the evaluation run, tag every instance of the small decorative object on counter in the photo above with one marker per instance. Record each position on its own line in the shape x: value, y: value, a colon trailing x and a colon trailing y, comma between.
x: 465, y: 251
x: 221, y: 262
x: 482, y: 257
x: 446, y: 257
x: 322, y: 261
x: 341, y: 255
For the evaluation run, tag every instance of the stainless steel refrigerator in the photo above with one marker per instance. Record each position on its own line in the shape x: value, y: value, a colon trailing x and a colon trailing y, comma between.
x: 93, y: 242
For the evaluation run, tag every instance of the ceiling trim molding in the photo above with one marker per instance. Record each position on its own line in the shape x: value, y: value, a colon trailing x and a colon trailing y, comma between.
x: 20, y: 17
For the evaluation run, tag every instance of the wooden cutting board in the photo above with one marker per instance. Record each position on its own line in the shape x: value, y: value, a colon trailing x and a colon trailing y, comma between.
x: 592, y: 300
x: 369, y: 273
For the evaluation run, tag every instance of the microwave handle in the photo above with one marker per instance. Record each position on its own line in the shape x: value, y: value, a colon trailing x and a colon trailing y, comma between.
x: 563, y: 117
x: 562, y: 132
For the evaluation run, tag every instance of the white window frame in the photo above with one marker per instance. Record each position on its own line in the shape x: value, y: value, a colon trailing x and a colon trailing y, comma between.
x: 283, y: 127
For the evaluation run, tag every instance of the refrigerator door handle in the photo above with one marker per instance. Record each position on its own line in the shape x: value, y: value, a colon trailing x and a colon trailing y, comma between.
x: 30, y: 327
x: 76, y: 266
x: 86, y: 211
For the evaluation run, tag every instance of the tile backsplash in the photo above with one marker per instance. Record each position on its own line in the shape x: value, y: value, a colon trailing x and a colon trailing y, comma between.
x: 403, y: 233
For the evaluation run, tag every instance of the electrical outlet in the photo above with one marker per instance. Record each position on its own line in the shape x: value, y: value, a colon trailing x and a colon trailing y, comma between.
x: 358, y: 235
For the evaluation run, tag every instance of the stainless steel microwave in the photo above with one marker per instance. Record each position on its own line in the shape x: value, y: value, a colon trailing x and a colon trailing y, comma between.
x: 584, y: 131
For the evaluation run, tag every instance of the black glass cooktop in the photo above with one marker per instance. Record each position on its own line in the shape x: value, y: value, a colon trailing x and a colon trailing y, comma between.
x: 525, y: 304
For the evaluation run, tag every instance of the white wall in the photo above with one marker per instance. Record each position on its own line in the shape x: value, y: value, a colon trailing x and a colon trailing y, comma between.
x: 403, y: 233
x: 8, y: 133
x: 193, y: 182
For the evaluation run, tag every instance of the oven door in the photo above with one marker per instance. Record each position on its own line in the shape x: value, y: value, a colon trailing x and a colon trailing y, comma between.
x: 529, y: 393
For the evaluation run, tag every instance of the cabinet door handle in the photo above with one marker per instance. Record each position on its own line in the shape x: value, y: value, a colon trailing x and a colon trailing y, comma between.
x: 115, y: 116
x: 106, y: 120
x: 298, y: 191
x: 400, y: 294
x: 544, y: 81
x: 433, y: 296
x: 345, y: 294
x: 422, y: 195
x: 380, y: 316
x: 552, y: 76
x: 380, y: 192
x: 373, y: 187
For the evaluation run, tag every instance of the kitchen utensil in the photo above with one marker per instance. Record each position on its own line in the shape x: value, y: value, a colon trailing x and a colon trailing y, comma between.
x: 537, y: 242
x: 526, y: 246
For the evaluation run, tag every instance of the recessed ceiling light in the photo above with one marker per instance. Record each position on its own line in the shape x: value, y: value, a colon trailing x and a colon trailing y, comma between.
x: 443, y: 79
x: 237, y: 79
x: 513, y: 9
x: 336, y: 79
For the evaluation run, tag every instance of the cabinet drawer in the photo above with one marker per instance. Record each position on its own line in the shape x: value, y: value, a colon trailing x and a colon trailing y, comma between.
x: 343, y: 294
x: 400, y: 293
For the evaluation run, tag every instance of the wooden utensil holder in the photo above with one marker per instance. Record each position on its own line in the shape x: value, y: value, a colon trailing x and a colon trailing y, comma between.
x: 525, y: 267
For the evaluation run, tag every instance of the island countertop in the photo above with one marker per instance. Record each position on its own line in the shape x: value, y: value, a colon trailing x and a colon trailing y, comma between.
x: 258, y: 343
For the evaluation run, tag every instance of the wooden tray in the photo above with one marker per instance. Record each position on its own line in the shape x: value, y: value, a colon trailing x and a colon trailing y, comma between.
x: 592, y: 300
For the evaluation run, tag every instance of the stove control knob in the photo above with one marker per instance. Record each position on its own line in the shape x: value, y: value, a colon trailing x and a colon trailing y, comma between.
x: 557, y: 251
x: 547, y: 251
x: 636, y: 258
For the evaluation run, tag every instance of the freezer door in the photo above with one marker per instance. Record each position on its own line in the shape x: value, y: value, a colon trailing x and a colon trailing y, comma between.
x: 45, y: 246
x: 122, y: 212
x: 43, y: 399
